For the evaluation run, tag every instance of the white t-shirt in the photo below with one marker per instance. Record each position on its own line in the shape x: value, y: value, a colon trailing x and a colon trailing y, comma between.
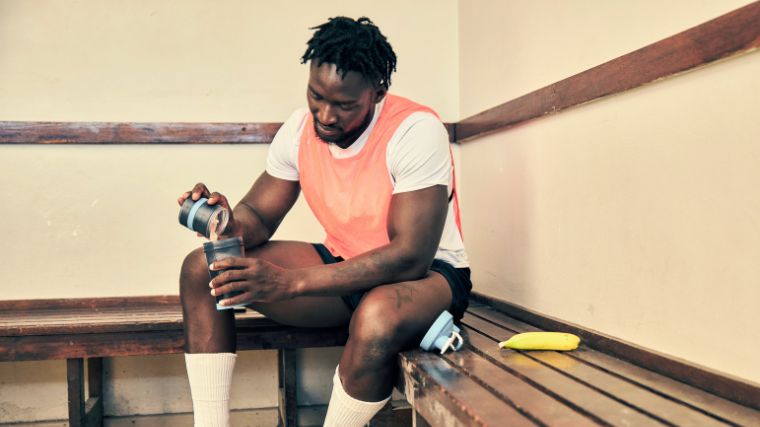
x: 417, y: 157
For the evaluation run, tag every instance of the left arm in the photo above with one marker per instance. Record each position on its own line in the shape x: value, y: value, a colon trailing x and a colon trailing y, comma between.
x: 420, y: 163
x: 415, y: 224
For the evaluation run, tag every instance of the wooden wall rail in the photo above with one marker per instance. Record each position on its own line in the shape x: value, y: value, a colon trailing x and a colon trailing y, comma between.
x: 136, y: 133
x: 732, y: 34
x: 142, y: 133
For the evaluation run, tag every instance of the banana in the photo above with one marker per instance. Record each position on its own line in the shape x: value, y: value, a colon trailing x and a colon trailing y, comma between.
x: 542, y: 341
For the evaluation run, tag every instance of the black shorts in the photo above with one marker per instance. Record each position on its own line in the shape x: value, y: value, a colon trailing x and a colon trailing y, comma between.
x: 458, y: 279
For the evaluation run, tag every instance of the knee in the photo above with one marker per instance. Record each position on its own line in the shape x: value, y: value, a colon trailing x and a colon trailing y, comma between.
x: 375, y: 329
x: 194, y: 273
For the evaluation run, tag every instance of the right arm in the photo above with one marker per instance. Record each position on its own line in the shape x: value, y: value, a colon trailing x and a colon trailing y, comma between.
x: 262, y: 209
x: 259, y: 213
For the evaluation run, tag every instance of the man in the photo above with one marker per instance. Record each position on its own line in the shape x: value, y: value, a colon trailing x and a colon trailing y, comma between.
x: 376, y: 170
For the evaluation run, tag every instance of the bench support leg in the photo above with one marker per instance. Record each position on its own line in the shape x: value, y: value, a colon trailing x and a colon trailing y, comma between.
x: 286, y: 361
x: 83, y: 413
x: 94, y: 404
x: 75, y: 380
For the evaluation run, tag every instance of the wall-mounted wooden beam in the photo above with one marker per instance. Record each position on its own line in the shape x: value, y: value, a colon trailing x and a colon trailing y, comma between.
x: 136, y: 133
x: 732, y: 34
x: 142, y: 133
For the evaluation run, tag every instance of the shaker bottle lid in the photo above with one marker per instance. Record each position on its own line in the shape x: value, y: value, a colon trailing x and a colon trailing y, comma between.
x: 223, y: 244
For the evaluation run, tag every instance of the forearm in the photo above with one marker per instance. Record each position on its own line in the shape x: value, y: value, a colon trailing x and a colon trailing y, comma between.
x: 415, y: 224
x: 261, y: 211
x: 391, y: 263
x: 250, y: 226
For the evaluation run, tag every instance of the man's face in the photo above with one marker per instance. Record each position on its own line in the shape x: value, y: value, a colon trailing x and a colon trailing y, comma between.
x: 342, y: 107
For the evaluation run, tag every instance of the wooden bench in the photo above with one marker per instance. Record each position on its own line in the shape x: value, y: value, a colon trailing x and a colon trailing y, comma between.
x: 83, y: 331
x: 484, y: 385
x: 479, y: 385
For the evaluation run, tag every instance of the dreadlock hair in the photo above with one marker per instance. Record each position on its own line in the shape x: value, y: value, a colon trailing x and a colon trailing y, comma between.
x: 353, y: 46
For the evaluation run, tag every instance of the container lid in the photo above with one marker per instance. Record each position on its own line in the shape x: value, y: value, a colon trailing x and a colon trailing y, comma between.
x: 440, y: 333
x: 223, y: 244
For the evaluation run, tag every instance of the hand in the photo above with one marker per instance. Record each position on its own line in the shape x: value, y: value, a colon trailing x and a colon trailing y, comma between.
x: 200, y: 190
x: 257, y: 279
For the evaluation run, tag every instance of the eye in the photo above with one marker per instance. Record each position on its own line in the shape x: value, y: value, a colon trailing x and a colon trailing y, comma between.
x: 347, y: 107
x: 315, y: 95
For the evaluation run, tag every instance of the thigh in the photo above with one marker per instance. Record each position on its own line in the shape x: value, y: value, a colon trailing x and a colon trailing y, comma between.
x: 302, y: 311
x: 404, y: 310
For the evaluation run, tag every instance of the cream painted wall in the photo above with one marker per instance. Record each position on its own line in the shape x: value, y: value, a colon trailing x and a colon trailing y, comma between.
x: 174, y: 60
x: 510, y: 48
x: 638, y: 215
x: 102, y: 220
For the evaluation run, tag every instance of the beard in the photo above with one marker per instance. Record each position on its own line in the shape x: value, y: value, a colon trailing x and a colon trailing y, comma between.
x: 343, y: 139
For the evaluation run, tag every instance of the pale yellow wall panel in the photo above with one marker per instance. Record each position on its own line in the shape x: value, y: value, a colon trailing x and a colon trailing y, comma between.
x: 33, y: 391
x: 509, y: 48
x: 637, y: 215
x: 232, y: 60
x: 92, y: 221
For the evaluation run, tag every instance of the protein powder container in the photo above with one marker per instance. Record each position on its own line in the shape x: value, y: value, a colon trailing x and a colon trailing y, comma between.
x: 199, y: 216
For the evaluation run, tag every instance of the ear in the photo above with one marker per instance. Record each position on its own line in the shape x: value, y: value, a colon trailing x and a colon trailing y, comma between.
x: 380, y: 92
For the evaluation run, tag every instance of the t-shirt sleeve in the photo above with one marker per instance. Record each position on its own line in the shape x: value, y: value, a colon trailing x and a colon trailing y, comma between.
x: 419, y: 156
x: 282, y: 157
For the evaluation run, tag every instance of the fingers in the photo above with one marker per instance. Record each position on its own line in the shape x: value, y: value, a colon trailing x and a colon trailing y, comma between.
x: 232, y: 272
x: 232, y: 279
x: 225, y: 278
x: 231, y: 262
x: 229, y: 285
x: 243, y: 295
x: 218, y: 198
x: 183, y: 197
x: 218, y: 288
x: 198, y: 191
x: 243, y: 298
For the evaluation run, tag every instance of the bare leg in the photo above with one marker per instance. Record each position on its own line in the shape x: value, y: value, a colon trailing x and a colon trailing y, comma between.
x: 389, y: 319
x: 210, y: 331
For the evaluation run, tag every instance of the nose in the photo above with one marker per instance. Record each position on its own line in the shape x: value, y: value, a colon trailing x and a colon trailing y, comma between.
x: 326, y: 115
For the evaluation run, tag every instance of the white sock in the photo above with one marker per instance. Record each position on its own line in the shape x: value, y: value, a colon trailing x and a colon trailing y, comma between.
x: 346, y: 411
x: 210, y: 376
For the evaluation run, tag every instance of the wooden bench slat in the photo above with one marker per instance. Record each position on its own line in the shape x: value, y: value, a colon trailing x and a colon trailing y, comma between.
x: 643, y: 399
x: 708, y: 403
x: 442, y: 394
x: 579, y: 396
x: 107, y: 344
x: 51, y: 322
x: 90, y: 303
x: 523, y: 396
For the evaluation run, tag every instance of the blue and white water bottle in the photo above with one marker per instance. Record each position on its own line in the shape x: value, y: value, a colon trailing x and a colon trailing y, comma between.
x: 443, y: 335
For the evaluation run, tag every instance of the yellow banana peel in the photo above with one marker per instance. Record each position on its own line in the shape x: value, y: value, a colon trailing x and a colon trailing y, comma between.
x: 542, y: 341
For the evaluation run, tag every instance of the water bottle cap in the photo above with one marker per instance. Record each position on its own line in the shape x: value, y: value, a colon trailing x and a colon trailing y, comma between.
x: 443, y: 334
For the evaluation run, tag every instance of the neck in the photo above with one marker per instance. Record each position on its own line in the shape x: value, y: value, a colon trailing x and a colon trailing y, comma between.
x: 353, y: 136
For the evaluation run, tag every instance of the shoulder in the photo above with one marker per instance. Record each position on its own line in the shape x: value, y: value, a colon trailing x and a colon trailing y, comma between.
x: 292, y: 126
x: 282, y: 157
x: 421, y: 130
x: 418, y: 155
